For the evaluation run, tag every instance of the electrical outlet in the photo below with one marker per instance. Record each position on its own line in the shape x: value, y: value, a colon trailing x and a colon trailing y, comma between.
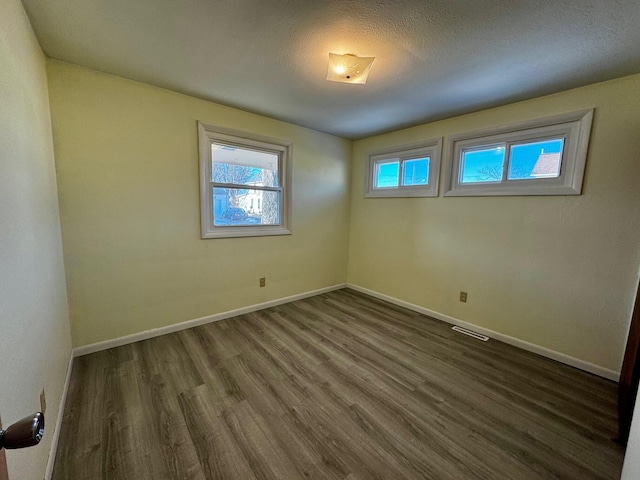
x: 43, y: 401
x: 463, y: 297
x: 263, y: 282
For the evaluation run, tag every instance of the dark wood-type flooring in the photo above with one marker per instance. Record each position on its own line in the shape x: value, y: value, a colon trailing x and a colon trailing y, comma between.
x: 337, y: 386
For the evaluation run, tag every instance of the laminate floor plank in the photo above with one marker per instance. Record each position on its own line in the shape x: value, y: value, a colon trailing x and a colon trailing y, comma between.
x: 361, y: 352
x: 493, y: 351
x: 217, y: 451
x: 260, y: 393
x: 141, y: 436
x: 344, y: 438
x: 340, y: 386
x: 317, y: 458
x: 80, y: 442
x: 253, y: 345
x: 386, y: 348
x: 288, y: 340
x: 436, y: 433
x: 160, y: 385
x: 531, y: 401
x: 168, y: 357
x: 549, y: 393
x: 266, y: 456
x: 117, y: 458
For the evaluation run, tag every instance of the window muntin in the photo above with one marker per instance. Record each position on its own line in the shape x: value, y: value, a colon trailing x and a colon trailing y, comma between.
x: 405, y: 171
x: 542, y: 157
x: 244, y: 183
x: 412, y: 171
x: 507, y: 162
x: 233, y: 169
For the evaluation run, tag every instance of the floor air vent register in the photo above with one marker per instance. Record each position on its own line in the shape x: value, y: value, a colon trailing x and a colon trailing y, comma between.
x: 471, y: 333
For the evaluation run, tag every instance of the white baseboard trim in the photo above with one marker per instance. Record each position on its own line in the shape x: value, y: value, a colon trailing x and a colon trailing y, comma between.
x: 516, y: 342
x: 56, y: 433
x: 156, y: 332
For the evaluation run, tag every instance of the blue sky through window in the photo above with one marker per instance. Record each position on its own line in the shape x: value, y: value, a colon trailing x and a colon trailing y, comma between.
x: 485, y: 165
x: 482, y: 165
x: 387, y: 175
x: 416, y: 171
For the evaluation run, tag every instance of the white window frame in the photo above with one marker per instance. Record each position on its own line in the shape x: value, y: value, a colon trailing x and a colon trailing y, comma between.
x: 430, y: 148
x: 574, y: 128
x: 208, y: 135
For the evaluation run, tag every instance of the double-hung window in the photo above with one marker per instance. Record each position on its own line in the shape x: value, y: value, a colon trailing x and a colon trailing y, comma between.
x: 404, y: 171
x: 245, y: 183
x: 542, y: 157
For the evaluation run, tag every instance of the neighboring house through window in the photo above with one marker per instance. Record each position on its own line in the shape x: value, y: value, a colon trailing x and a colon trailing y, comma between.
x: 238, y: 170
x: 539, y: 157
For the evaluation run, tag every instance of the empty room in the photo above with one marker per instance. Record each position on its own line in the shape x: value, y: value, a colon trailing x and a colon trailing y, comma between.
x: 350, y: 240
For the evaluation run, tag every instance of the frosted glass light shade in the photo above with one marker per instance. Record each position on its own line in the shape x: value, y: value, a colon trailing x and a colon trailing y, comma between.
x: 349, y: 68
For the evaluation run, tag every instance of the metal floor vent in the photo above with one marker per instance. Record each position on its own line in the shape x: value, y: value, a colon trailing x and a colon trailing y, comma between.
x: 471, y: 333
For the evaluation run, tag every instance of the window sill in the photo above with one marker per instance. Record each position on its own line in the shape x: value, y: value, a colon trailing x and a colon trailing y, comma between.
x: 235, y: 232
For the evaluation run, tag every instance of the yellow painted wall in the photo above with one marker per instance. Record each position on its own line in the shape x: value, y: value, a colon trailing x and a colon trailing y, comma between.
x: 127, y: 162
x: 35, y: 340
x: 559, y: 272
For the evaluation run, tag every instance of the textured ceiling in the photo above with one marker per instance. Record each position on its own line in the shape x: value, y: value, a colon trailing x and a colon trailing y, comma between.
x: 434, y: 58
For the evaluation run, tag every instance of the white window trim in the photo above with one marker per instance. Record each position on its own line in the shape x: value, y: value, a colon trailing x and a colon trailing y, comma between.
x: 574, y: 127
x: 431, y: 148
x: 209, y: 134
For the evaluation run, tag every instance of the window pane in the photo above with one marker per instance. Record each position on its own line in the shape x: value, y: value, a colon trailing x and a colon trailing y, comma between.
x: 482, y: 165
x: 237, y: 165
x: 237, y: 207
x: 416, y: 171
x: 536, y: 160
x: 387, y: 174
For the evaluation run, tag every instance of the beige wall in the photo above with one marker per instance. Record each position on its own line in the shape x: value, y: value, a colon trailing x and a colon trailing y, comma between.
x: 35, y: 341
x: 559, y: 272
x: 127, y: 162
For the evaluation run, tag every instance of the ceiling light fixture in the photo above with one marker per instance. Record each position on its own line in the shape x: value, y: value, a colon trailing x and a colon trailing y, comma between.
x: 349, y: 68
